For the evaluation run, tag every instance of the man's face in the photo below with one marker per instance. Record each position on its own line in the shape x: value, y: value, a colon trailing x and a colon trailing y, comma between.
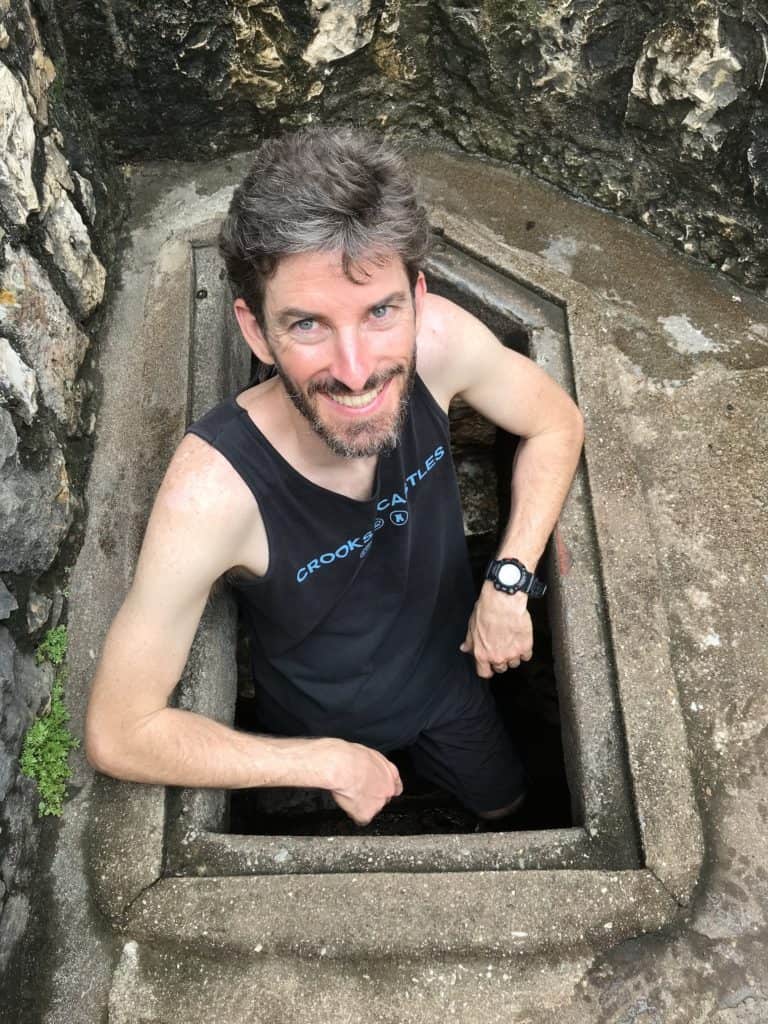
x: 345, y: 351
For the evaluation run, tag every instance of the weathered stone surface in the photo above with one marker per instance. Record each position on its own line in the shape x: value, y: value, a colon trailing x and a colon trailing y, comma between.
x: 8, y: 602
x: 38, y: 609
x: 41, y: 72
x: 35, y: 514
x: 85, y: 194
x: 699, y: 72
x: 468, y: 429
x: 8, y: 438
x: 18, y: 195
x: 57, y: 607
x: 50, y: 167
x: 47, y: 334
x: 641, y: 110
x: 343, y: 26
x: 12, y: 926
x: 57, y: 175
x: 24, y: 689
x: 11, y: 724
x: 18, y: 383
x: 477, y: 484
x: 66, y: 236
x: 655, y: 112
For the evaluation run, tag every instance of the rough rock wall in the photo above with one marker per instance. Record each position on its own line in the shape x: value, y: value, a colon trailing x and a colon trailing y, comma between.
x: 54, y: 243
x: 656, y: 110
x: 173, y: 79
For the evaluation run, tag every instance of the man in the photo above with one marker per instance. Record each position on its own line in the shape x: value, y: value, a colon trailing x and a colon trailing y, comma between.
x: 327, y: 496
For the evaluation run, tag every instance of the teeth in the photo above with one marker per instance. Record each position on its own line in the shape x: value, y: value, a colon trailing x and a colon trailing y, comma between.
x: 356, y: 401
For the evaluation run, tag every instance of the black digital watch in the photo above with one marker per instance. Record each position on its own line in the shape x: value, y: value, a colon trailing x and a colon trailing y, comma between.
x: 511, y: 577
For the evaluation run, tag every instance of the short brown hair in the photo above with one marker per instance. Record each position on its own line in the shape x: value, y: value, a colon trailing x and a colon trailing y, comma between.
x: 321, y: 189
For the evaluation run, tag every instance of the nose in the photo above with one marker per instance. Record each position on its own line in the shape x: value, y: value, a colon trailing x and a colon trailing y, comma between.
x: 353, y: 360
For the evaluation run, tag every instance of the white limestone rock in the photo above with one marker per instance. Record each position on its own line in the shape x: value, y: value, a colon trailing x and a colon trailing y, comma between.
x: 66, y: 236
x: 702, y: 72
x: 57, y: 174
x: 18, y: 383
x: 18, y: 196
x: 85, y: 194
x: 49, y: 338
x: 343, y: 26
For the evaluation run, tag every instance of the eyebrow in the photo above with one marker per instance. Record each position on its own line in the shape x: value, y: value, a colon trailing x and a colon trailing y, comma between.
x: 294, y: 313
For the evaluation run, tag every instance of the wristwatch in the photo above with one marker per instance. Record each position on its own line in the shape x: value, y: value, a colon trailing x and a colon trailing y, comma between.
x: 511, y: 576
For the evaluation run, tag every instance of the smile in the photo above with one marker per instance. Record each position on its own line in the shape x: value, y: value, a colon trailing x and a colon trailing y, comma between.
x: 358, y: 401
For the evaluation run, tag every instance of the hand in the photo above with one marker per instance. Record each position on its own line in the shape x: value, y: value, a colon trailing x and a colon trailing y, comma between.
x: 365, y: 782
x: 500, y: 632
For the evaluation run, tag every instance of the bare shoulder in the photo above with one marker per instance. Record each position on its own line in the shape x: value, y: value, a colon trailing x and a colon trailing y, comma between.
x: 201, y: 481
x: 202, y: 519
x: 448, y: 341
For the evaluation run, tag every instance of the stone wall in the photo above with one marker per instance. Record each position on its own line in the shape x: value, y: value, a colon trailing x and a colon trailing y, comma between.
x: 656, y: 111
x: 54, y: 243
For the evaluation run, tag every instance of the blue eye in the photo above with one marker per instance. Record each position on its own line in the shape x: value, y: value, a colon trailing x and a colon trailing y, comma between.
x: 305, y: 325
x: 379, y: 312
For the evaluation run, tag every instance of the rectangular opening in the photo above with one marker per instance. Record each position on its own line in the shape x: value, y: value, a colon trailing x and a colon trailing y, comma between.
x: 527, y: 697
x: 562, y: 709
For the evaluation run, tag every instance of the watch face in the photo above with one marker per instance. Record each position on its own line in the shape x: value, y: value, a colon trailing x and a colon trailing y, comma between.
x: 509, y: 575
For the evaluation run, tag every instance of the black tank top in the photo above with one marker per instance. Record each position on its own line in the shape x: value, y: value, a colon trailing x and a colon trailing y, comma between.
x: 356, y: 625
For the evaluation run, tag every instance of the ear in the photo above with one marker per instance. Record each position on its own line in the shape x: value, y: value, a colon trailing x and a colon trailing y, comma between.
x: 251, y: 331
x: 419, y: 291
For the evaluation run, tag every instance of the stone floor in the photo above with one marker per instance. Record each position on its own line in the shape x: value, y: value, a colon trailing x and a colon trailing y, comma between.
x: 677, y: 372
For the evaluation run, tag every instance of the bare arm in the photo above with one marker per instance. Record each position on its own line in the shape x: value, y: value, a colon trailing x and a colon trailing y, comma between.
x: 464, y: 358
x: 131, y: 733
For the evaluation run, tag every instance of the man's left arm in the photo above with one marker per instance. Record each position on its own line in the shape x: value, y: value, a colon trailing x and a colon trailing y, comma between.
x: 517, y: 395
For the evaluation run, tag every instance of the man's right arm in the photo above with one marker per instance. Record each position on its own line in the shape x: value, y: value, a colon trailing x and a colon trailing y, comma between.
x: 200, y: 524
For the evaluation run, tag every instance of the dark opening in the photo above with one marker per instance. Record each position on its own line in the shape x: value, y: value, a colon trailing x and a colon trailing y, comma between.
x: 527, y: 697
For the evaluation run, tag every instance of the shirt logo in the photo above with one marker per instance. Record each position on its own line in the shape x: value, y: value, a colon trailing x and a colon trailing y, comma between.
x: 398, y: 516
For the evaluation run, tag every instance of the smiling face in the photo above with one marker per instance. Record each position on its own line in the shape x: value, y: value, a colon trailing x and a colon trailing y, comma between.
x: 344, y: 348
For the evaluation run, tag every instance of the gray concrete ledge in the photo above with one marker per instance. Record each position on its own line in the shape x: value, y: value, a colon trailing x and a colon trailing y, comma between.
x: 200, y: 372
x: 381, y: 916
x: 214, y: 854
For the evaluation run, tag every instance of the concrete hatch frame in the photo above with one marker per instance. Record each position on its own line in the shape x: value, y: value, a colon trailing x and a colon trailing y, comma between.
x: 164, y: 872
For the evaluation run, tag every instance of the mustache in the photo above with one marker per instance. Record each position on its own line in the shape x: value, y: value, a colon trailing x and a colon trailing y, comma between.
x: 331, y: 386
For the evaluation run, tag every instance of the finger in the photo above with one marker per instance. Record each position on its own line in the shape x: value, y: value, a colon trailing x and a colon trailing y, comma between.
x: 466, y: 645
x: 483, y: 669
x: 499, y: 666
x: 394, y: 774
x: 526, y: 656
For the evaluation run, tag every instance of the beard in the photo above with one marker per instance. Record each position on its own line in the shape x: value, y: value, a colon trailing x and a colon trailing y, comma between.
x: 380, y: 433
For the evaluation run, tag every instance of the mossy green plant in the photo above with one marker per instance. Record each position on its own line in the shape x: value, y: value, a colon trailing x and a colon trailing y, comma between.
x: 45, y: 755
x: 54, y: 647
